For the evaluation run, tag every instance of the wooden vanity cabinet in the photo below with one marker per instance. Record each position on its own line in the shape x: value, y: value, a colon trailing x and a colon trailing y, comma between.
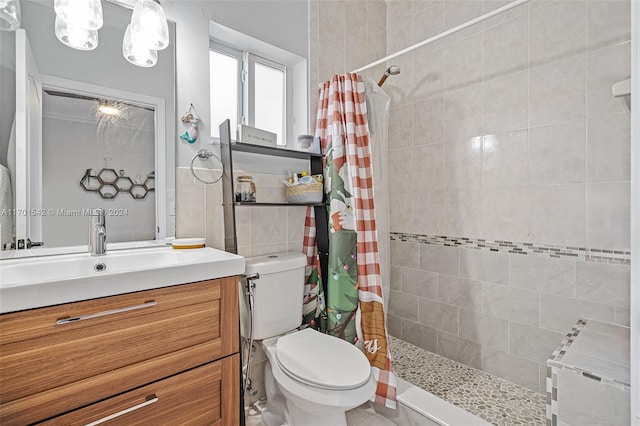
x: 162, y: 356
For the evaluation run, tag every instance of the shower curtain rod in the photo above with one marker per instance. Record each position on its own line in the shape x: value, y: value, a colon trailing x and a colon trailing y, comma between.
x: 444, y: 34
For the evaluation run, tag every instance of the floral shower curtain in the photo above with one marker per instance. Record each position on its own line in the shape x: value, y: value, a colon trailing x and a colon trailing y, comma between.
x: 354, y: 305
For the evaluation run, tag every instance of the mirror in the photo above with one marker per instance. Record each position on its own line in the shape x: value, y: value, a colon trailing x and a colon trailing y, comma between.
x: 77, y: 158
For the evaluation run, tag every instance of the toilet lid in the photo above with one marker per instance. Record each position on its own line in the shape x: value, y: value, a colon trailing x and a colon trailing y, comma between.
x: 322, y: 361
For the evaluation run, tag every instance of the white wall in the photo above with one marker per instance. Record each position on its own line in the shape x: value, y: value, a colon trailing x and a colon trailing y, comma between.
x: 277, y: 22
x: 280, y: 23
x: 7, y: 89
x: 635, y: 217
x: 128, y: 219
x: 199, y: 207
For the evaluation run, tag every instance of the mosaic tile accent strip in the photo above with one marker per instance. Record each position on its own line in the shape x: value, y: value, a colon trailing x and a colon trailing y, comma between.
x: 552, y: 377
x: 581, y: 253
x: 491, y: 398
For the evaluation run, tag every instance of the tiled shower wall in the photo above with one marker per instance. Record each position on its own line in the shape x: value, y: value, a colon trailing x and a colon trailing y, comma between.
x: 344, y: 35
x: 500, y: 312
x: 512, y: 135
x: 506, y: 131
x: 259, y: 230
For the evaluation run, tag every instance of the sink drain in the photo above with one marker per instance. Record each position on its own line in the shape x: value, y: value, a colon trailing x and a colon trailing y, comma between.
x: 100, y: 267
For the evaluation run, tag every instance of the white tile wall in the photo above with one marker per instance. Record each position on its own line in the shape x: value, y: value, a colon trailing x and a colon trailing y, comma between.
x: 504, y: 110
x: 259, y: 230
x: 508, y: 328
x: 512, y: 134
x: 608, y: 148
x: 558, y: 30
x: 505, y: 159
x: 505, y: 48
x: 557, y: 153
x: 557, y: 91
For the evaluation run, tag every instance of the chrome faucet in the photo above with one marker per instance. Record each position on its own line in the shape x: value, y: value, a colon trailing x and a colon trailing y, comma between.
x: 97, y: 232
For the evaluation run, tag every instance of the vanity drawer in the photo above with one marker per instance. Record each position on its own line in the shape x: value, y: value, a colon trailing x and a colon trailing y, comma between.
x: 195, y: 397
x: 38, y: 354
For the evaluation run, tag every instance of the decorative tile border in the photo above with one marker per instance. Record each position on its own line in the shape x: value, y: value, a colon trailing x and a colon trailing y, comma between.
x: 552, y: 373
x: 581, y: 253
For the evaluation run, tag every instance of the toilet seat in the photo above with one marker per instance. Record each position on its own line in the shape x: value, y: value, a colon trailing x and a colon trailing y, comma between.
x: 322, y: 361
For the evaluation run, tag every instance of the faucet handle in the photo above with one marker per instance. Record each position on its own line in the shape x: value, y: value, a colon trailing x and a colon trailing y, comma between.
x: 97, y: 232
x: 34, y: 243
x: 97, y: 217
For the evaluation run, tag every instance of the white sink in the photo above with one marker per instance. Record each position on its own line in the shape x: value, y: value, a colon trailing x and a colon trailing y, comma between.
x: 34, y: 282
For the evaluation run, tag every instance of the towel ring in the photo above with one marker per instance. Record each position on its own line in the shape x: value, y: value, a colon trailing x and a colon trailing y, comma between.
x: 203, y: 154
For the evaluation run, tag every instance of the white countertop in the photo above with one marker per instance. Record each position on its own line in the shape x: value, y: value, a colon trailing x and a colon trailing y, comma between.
x: 34, y: 282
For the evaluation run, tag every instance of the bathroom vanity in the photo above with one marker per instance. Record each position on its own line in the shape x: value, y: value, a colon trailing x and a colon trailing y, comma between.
x: 164, y: 355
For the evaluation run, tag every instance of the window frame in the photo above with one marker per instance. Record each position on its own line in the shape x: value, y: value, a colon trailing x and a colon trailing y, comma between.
x: 237, y: 54
x: 248, y: 113
x: 297, y: 117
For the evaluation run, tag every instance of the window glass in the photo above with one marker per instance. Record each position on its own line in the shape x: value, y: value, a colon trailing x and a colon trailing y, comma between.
x: 269, y: 100
x: 224, y: 91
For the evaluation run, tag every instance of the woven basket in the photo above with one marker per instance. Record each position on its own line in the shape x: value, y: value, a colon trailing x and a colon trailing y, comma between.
x: 309, y: 193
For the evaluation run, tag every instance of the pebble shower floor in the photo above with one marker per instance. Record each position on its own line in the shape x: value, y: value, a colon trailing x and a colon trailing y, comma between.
x: 491, y: 398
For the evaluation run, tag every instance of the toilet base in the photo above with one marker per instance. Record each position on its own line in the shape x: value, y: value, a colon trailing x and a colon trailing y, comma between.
x: 294, y: 404
x: 298, y: 416
x: 282, y: 412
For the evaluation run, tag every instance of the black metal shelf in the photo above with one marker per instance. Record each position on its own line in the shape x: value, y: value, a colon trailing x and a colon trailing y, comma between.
x: 227, y: 150
x: 275, y: 152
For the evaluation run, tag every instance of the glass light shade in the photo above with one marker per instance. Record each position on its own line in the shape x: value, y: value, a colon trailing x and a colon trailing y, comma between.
x: 149, y: 23
x: 85, y: 14
x: 75, y: 37
x: 136, y: 52
x: 9, y: 15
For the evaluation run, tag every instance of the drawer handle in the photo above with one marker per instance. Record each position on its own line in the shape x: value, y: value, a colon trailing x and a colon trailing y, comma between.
x: 150, y: 400
x: 148, y: 304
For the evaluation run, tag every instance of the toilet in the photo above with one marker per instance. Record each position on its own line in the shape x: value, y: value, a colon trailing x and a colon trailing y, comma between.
x: 311, y: 378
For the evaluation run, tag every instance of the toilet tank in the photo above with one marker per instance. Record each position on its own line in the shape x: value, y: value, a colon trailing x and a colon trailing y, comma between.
x: 277, y: 306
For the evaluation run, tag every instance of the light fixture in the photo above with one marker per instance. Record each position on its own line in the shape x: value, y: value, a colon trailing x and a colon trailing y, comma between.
x: 76, y: 37
x: 149, y: 25
x: 107, y: 108
x: 147, y: 33
x: 86, y: 14
x: 77, y: 23
x: 9, y: 15
x: 136, y: 52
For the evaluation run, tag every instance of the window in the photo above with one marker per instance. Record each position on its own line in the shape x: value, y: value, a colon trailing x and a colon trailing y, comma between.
x: 226, y: 87
x: 265, y: 86
x: 247, y: 89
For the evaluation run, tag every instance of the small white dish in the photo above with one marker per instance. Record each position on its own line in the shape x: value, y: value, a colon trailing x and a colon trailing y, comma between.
x: 188, y: 243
